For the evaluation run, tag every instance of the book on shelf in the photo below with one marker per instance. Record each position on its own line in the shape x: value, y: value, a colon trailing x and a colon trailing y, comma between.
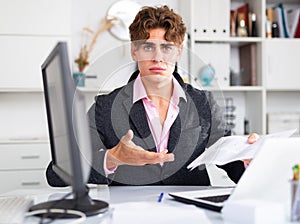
x: 292, y: 21
x: 287, y: 20
x: 242, y: 18
x: 297, y: 32
x: 273, y: 28
x: 233, y: 23
x: 278, y: 18
x: 242, y: 13
x: 270, y: 14
x: 248, y: 64
x: 284, y: 20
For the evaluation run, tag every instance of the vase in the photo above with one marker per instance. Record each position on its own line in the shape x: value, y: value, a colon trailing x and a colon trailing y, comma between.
x: 79, y: 78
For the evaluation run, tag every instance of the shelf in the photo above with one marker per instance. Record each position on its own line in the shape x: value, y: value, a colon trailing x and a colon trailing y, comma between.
x: 282, y: 90
x: 280, y: 1
x: 231, y: 40
x: 34, y: 35
x: 23, y: 141
x: 39, y: 90
x: 238, y: 41
x: 236, y: 88
x: 21, y: 90
x: 229, y: 88
x: 244, y: 88
x: 290, y: 40
x: 93, y: 90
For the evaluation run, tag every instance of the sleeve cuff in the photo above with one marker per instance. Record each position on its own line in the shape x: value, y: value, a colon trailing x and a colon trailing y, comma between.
x: 106, y: 170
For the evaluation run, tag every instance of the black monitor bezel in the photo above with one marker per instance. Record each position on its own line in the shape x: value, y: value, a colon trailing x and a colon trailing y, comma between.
x: 69, y: 91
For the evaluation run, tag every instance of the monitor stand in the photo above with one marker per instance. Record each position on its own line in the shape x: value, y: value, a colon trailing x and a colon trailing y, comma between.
x: 82, y: 204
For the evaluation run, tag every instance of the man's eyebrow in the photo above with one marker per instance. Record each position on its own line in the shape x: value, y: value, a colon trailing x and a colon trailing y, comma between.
x: 167, y: 44
x: 148, y: 43
x: 161, y: 44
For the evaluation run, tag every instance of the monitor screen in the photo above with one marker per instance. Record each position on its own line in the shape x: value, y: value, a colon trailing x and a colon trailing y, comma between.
x: 66, y: 109
x: 69, y: 136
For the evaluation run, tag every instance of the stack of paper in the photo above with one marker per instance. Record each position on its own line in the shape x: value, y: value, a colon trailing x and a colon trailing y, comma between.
x: 233, y: 148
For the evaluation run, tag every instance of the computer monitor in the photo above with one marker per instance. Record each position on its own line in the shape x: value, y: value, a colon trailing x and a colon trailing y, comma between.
x: 69, y: 136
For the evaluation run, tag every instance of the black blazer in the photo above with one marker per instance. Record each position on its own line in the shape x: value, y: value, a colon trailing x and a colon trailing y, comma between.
x: 198, y: 125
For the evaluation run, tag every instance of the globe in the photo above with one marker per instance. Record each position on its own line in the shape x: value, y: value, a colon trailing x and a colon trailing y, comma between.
x: 207, y: 74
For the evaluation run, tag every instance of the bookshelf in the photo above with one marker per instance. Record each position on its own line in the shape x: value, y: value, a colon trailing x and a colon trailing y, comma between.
x: 277, y: 87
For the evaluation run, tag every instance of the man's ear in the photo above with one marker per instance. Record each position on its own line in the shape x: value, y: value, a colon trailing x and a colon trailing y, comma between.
x: 133, y: 52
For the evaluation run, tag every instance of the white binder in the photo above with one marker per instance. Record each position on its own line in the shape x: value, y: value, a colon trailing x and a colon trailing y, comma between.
x: 220, y: 18
x: 202, y: 17
x: 211, y: 18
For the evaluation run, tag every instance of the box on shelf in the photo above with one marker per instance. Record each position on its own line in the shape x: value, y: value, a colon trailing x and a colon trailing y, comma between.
x: 280, y: 121
x: 248, y: 64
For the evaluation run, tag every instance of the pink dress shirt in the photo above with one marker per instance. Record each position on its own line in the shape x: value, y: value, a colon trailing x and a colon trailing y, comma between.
x: 159, y: 132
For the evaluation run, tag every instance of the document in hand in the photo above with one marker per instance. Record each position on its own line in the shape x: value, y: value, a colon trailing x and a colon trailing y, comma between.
x: 233, y: 148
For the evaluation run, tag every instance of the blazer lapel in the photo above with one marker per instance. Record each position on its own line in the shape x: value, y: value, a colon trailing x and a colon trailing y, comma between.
x: 138, y: 121
x: 174, y: 134
x: 175, y: 130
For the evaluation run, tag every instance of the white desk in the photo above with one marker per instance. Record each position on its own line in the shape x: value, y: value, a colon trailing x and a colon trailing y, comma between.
x: 115, y: 195
x: 151, y: 194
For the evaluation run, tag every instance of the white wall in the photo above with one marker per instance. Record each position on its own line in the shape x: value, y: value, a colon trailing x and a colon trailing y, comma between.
x: 28, y: 31
x: 109, y: 54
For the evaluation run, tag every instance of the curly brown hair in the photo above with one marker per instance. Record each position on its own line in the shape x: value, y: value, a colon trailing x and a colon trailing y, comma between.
x: 157, y: 17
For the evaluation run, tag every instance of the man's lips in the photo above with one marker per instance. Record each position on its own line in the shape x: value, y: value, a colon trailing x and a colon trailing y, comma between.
x: 156, y: 69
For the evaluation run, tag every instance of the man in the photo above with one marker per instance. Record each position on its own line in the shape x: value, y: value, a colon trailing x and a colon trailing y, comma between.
x: 149, y: 130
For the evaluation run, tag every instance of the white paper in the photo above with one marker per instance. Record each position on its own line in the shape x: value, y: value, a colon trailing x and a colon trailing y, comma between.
x: 159, y: 213
x: 233, y: 148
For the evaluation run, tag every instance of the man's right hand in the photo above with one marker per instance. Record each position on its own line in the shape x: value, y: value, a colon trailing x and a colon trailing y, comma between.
x: 126, y: 152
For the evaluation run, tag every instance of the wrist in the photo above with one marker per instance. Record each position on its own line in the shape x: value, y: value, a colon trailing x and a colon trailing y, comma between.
x: 111, y: 161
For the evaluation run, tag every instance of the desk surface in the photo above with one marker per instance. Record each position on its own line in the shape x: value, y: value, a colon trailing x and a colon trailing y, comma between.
x: 119, y: 194
x: 151, y: 194
x: 129, y: 195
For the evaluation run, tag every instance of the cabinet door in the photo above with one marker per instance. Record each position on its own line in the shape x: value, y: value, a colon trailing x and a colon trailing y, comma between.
x: 24, y: 156
x: 20, y: 179
x: 22, y: 58
x: 34, y: 17
x: 283, y: 67
x: 215, y: 55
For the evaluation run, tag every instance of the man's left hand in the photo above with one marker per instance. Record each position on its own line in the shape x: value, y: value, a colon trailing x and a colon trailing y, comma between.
x: 251, y: 139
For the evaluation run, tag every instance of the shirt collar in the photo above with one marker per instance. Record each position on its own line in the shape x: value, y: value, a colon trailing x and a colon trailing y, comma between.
x: 139, y: 91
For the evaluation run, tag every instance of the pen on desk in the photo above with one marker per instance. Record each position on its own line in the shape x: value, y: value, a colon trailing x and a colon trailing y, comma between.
x: 160, y: 197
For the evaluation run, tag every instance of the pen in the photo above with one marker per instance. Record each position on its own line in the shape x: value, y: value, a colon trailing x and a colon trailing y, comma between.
x: 160, y: 197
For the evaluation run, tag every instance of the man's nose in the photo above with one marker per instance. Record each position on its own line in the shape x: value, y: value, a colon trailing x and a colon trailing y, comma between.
x: 158, y: 55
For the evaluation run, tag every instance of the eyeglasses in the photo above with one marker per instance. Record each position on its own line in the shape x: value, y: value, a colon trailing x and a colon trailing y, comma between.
x: 156, y: 50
